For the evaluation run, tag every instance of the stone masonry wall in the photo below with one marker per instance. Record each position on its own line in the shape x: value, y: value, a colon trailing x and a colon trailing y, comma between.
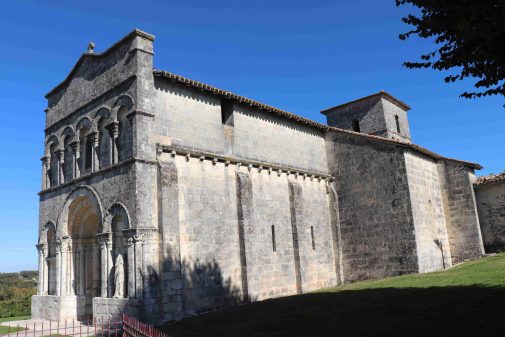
x: 491, y: 208
x: 460, y: 210
x: 433, y: 250
x: 368, y: 112
x: 377, y: 228
x: 226, y: 215
x: 209, y: 244
x: 190, y: 118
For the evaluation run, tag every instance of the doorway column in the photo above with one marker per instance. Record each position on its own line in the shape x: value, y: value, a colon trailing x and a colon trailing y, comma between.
x: 105, y: 243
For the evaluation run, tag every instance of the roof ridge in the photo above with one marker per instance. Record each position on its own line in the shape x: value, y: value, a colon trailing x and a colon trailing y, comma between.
x: 290, y: 115
x: 381, y: 93
x: 490, y: 178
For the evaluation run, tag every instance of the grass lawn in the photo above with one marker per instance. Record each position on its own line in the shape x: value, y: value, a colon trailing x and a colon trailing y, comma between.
x: 5, y: 329
x: 468, y: 300
x: 10, y: 319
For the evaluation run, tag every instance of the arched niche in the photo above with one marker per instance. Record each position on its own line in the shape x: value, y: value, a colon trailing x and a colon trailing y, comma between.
x: 66, y: 139
x: 84, y: 132
x: 122, y: 108
x: 117, y: 223
x: 105, y: 143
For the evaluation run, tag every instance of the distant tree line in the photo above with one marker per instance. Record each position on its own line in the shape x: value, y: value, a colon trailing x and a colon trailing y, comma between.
x: 16, y: 290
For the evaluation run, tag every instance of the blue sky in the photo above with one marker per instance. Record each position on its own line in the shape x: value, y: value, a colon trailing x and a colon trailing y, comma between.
x: 301, y: 56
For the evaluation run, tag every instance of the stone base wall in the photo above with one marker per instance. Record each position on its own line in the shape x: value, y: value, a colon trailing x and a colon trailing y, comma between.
x: 491, y: 208
x: 46, y: 307
x: 112, y: 309
x: 59, y: 308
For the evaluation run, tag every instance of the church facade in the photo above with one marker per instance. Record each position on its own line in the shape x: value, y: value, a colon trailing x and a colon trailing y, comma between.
x: 163, y: 196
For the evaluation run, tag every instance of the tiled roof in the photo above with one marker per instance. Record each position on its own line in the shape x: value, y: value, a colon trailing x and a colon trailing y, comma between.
x: 381, y: 93
x: 490, y: 179
x: 302, y: 120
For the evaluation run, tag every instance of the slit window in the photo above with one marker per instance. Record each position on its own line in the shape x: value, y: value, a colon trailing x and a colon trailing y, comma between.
x: 355, y: 125
x: 312, y: 237
x: 397, y: 120
x: 227, y: 112
x: 88, y: 157
x: 274, y: 248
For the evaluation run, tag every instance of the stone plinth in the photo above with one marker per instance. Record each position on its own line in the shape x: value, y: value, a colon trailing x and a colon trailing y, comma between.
x: 111, y: 309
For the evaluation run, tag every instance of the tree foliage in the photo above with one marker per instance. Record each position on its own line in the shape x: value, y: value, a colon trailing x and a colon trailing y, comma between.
x: 16, y: 290
x: 469, y: 35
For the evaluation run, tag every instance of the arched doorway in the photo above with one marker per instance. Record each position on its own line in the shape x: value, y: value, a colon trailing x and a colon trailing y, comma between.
x: 83, y: 225
x: 79, y: 259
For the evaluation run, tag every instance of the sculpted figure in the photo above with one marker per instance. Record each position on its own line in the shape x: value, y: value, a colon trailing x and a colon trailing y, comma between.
x: 119, y: 277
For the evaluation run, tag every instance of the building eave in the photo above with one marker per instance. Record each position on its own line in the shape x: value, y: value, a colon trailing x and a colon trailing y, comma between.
x: 302, y: 120
x: 382, y: 94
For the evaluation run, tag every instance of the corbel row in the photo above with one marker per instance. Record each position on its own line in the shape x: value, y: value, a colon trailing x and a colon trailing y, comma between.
x: 248, y: 164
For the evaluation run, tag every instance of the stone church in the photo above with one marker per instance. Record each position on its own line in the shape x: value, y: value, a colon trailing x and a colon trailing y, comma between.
x: 163, y: 196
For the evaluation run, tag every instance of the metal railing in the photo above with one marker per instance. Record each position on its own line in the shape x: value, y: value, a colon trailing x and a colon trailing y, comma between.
x: 127, y: 327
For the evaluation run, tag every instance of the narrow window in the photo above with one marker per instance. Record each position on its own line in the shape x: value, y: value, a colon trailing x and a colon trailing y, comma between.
x: 397, y: 120
x: 312, y: 236
x: 355, y: 125
x: 89, y: 152
x: 227, y: 112
x: 273, y: 238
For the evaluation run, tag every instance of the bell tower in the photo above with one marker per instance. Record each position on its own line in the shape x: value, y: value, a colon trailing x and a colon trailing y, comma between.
x: 378, y: 114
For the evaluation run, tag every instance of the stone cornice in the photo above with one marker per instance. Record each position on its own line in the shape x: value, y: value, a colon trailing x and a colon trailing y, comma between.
x: 250, y: 164
x: 99, y: 172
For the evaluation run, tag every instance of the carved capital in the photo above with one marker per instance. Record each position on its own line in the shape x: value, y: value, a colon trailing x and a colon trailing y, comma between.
x: 41, y: 249
x: 46, y: 161
x: 58, y: 245
x: 104, y: 239
x: 96, y: 138
x: 61, y: 155
x: 76, y: 147
x: 113, y: 129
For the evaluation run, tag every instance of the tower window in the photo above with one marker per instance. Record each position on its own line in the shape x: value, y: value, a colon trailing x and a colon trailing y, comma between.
x: 355, y: 125
x: 273, y: 239
x: 312, y: 237
x: 397, y: 120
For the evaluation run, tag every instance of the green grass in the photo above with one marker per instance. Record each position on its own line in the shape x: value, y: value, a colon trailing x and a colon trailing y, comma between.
x: 468, y: 300
x: 10, y: 319
x: 5, y: 329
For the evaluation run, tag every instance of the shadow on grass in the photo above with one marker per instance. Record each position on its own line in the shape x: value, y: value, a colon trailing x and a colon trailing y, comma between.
x: 441, y: 311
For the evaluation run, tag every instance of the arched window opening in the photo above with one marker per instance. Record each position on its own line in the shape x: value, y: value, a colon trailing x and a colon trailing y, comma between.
x: 88, y: 155
x: 355, y: 125
x: 105, y: 148
x: 85, y: 147
x: 125, y: 139
x: 397, y: 121
x: 53, y: 166
x: 68, y: 169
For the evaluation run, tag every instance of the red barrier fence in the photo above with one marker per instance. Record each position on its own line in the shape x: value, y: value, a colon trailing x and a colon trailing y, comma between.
x: 128, y: 327
x: 135, y: 328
